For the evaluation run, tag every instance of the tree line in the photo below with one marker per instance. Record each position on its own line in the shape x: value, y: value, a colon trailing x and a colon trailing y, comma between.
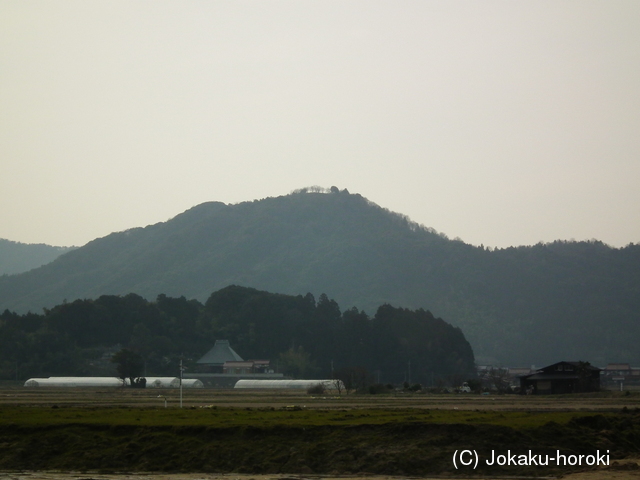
x: 301, y: 336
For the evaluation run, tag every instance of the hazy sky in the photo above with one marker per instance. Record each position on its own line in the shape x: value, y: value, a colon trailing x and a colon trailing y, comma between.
x: 499, y: 122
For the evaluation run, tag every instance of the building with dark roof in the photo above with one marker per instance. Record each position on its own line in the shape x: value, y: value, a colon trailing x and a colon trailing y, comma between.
x: 222, y: 367
x: 562, y: 377
x: 214, y: 360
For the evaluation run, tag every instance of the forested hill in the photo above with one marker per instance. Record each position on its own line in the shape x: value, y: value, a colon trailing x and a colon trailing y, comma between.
x: 16, y: 257
x: 521, y: 306
x: 301, y: 337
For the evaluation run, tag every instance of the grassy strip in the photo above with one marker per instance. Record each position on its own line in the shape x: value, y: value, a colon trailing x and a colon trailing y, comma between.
x: 225, y: 417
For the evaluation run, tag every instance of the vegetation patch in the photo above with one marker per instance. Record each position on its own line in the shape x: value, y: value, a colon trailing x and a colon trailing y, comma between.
x: 373, y: 441
x: 78, y: 338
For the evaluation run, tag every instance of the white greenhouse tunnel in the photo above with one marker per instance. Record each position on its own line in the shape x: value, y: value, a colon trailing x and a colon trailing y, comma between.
x: 152, y: 382
x: 290, y: 384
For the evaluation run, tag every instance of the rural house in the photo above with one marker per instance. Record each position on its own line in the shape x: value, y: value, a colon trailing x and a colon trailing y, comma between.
x: 562, y: 377
x: 213, y: 361
x: 222, y: 367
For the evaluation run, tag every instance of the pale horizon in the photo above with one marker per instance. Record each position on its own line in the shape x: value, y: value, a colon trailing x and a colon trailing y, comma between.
x: 499, y: 123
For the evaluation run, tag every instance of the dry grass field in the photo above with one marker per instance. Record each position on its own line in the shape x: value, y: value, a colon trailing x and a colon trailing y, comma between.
x: 109, y: 397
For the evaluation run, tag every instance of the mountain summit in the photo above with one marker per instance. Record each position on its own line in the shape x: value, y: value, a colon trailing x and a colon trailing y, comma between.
x: 539, y: 304
x: 290, y: 244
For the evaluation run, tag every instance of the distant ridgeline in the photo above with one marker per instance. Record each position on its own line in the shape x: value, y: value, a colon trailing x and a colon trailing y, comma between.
x: 300, y: 336
x: 16, y: 257
x: 517, y: 306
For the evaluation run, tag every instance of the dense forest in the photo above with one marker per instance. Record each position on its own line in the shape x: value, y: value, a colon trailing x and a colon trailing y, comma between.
x: 517, y: 306
x: 78, y: 338
x: 16, y: 257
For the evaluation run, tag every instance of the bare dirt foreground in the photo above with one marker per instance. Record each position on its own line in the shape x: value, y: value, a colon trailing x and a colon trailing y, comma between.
x: 628, y: 469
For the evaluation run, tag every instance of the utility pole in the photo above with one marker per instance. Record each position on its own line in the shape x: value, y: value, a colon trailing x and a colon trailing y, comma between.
x: 181, y: 369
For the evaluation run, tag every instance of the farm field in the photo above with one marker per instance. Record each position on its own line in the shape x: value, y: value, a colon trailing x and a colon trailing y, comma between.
x: 272, y: 435
x: 85, y: 397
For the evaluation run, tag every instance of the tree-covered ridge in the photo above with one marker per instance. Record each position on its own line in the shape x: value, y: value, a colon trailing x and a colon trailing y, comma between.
x: 73, y: 338
x: 517, y: 306
x: 298, y: 242
x: 16, y: 257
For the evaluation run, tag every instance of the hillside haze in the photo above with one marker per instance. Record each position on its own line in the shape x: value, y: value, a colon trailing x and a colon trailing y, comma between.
x: 16, y: 257
x: 516, y: 306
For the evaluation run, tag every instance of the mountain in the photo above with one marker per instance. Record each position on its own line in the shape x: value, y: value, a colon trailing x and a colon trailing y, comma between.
x: 18, y: 257
x: 517, y: 306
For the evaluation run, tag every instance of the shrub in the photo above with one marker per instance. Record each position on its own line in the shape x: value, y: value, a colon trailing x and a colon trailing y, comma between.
x: 377, y: 388
x: 317, y: 389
